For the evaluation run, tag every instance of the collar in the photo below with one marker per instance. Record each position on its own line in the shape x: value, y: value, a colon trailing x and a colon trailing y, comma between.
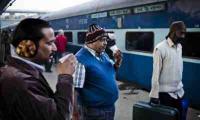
x: 23, y: 66
x: 170, y: 42
x: 93, y: 52
x: 37, y: 66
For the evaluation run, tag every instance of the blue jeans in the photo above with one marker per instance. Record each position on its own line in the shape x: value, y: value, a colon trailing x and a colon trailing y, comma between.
x: 99, y: 113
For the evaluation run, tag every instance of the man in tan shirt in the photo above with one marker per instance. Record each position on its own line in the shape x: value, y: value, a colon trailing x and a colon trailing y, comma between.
x: 167, y: 86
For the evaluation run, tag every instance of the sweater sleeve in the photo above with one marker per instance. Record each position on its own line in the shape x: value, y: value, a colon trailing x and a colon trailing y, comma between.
x: 157, y: 65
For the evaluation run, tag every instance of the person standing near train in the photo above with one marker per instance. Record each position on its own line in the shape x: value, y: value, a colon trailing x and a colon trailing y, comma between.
x: 61, y: 44
x: 95, y: 79
x: 25, y: 94
x: 167, y: 86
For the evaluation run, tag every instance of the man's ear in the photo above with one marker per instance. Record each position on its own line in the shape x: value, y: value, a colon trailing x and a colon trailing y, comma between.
x: 26, y: 48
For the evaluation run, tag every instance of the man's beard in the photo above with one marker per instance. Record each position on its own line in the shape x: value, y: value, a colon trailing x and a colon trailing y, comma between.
x: 178, y: 40
x: 41, y: 61
x: 38, y: 61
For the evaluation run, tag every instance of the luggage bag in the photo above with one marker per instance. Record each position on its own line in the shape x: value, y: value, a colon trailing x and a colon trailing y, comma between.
x: 145, y: 111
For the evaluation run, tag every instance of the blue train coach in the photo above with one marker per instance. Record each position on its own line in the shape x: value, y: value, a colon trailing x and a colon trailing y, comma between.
x: 138, y: 26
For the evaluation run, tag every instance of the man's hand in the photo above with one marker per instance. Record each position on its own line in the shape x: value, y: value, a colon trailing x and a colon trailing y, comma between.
x: 154, y: 101
x: 117, y: 58
x: 68, y: 66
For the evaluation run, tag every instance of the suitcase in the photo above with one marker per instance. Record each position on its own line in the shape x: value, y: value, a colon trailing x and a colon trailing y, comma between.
x: 145, y: 111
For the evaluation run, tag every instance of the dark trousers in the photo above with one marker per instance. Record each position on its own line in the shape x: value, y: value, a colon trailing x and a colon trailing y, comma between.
x: 166, y: 99
x: 99, y: 113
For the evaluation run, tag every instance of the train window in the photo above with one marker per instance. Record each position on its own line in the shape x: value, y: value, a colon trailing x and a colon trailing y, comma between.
x: 81, y: 37
x: 69, y: 36
x: 140, y: 41
x: 191, y: 44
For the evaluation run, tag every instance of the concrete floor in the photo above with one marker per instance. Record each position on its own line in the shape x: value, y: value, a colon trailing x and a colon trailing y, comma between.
x: 127, y: 98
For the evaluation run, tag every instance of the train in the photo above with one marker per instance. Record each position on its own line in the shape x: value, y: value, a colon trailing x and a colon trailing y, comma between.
x: 138, y: 26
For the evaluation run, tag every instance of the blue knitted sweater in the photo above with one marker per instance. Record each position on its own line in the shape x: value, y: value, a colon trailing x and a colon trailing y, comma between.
x: 100, y: 88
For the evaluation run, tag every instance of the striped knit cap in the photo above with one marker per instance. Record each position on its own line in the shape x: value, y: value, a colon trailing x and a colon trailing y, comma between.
x: 94, y: 33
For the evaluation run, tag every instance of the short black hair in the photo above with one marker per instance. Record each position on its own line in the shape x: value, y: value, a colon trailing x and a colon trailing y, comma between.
x: 29, y: 29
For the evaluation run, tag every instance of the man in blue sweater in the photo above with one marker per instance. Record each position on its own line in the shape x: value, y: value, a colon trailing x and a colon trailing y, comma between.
x: 95, y: 79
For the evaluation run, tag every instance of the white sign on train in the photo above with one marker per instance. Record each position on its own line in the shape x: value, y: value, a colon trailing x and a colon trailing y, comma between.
x: 99, y: 15
x: 120, y: 12
x: 149, y: 8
